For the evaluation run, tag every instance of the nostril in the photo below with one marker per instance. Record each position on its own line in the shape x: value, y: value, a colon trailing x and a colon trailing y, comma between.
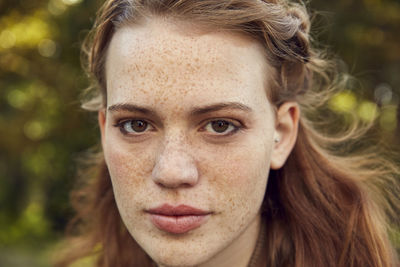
x: 182, y: 185
x: 160, y: 185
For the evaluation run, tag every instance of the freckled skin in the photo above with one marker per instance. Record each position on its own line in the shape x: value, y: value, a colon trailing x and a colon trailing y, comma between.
x: 170, y: 69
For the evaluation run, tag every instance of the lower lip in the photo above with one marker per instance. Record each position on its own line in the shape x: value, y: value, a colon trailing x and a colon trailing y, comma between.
x: 178, y: 224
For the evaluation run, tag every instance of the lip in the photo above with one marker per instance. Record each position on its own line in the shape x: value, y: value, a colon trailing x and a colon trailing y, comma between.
x: 177, y: 219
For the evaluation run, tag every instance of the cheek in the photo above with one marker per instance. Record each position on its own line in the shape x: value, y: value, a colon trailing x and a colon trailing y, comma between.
x: 239, y: 176
x: 129, y: 168
x: 238, y: 181
x: 240, y: 166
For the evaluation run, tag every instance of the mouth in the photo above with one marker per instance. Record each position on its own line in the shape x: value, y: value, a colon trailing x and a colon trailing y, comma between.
x: 177, y: 219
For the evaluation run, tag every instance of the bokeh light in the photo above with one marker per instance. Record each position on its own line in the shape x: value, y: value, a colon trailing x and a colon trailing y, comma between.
x: 34, y: 130
x: 47, y: 48
x: 367, y: 111
x: 17, y: 98
x: 24, y: 32
x: 71, y: 2
x: 344, y: 102
x: 383, y: 94
x: 56, y: 7
x: 7, y: 39
x: 388, y: 119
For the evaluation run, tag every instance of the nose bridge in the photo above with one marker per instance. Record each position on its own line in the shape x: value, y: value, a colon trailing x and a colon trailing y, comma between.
x: 175, y: 165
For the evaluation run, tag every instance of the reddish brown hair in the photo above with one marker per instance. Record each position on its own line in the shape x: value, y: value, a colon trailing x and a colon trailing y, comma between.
x: 323, y: 208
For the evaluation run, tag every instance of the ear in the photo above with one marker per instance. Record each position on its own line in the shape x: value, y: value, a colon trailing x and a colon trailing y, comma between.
x: 101, y: 116
x: 287, y: 121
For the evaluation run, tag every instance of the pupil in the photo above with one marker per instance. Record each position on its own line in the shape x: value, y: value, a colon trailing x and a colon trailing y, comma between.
x: 220, y: 126
x: 139, y: 126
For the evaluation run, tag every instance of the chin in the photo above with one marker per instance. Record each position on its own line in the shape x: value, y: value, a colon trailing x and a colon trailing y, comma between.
x: 175, y: 261
x: 180, y: 258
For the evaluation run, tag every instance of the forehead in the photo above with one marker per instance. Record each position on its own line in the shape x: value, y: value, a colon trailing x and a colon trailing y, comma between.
x: 161, y: 59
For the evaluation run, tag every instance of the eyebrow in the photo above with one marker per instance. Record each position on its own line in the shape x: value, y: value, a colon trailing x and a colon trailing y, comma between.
x: 220, y: 106
x: 197, y: 111
x: 131, y: 108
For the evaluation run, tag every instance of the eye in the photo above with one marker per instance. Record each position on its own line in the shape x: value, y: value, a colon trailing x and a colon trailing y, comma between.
x: 221, y: 126
x: 133, y: 126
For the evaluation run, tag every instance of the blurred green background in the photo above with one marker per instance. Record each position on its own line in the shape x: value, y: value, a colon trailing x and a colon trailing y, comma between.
x: 43, y: 131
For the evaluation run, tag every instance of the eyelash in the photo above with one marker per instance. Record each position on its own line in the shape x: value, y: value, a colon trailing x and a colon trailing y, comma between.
x: 121, y: 125
x: 236, y: 126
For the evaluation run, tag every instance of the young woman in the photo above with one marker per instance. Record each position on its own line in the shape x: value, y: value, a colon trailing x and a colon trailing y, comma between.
x: 209, y: 158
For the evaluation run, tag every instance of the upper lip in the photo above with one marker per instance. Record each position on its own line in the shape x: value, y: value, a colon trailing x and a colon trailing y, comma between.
x: 180, y: 210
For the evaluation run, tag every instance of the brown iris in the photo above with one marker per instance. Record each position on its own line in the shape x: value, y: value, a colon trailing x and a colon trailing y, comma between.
x: 220, y: 126
x: 138, y: 125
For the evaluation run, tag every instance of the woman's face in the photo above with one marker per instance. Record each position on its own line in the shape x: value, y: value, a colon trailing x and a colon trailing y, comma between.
x: 188, y: 139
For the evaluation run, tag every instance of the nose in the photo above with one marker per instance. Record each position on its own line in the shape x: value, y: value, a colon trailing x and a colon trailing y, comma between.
x: 175, y: 167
